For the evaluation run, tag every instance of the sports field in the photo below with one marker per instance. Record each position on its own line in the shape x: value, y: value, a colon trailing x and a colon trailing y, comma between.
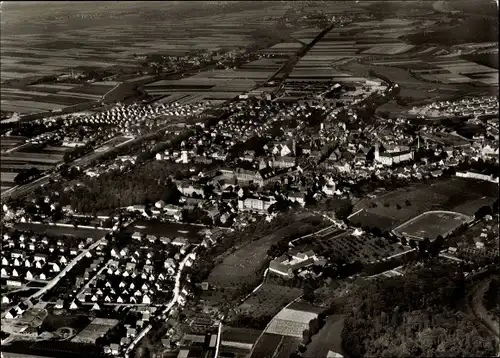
x: 431, y: 225
x: 396, y: 207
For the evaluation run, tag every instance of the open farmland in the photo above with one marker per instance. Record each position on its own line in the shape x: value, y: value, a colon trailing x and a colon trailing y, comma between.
x: 61, y: 230
x: 416, y: 90
x: 292, y: 320
x: 431, y: 225
x: 106, y: 43
x: 11, y: 142
x: 29, y: 157
x: 394, y: 208
x: 8, y: 177
x: 97, y: 328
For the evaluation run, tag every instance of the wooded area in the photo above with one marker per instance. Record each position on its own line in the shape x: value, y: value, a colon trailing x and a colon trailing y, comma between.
x: 415, y: 315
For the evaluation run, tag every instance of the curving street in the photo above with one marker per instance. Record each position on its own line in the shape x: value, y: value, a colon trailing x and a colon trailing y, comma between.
x: 169, y: 306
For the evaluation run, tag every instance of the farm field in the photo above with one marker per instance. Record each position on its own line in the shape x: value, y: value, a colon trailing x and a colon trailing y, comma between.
x: 109, y: 44
x: 243, y: 266
x: 329, y: 338
x: 32, y: 157
x: 9, y: 142
x: 268, y: 300
x: 7, y: 177
x: 62, y: 230
x: 392, y: 209
x: 292, y: 320
x: 431, y: 225
x: 419, y: 91
x: 167, y: 229
x: 231, y: 335
x: 267, y: 345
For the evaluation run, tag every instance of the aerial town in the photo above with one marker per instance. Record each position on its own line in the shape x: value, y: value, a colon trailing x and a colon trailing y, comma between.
x: 275, y: 179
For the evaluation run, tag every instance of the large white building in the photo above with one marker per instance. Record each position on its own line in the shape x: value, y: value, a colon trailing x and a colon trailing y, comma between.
x: 392, y: 157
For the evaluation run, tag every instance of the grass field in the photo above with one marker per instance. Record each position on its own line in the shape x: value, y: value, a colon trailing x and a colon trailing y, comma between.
x: 243, y: 265
x: 431, y: 225
x: 454, y: 194
x: 61, y: 230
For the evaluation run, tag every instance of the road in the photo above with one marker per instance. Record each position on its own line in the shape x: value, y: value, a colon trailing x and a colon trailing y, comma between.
x: 217, y: 344
x: 61, y: 274
x: 292, y: 61
x: 80, y: 295
x: 480, y: 312
x: 169, y: 306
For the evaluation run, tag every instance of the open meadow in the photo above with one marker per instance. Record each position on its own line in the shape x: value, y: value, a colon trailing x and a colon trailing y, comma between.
x: 245, y: 265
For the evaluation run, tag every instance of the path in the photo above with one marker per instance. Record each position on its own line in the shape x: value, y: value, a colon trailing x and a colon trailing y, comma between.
x: 477, y: 307
x: 174, y: 300
x: 61, y: 274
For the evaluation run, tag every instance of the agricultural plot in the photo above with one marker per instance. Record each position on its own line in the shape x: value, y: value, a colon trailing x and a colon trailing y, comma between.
x: 292, y: 321
x: 419, y: 91
x: 461, y: 70
x: 392, y: 49
x: 341, y: 245
x: 267, y: 345
x: 237, y: 342
x: 51, y: 230
x: 431, y: 225
x: 21, y: 156
x: 9, y: 142
x: 7, y: 177
x: 396, y: 207
x: 97, y: 328
x: 268, y: 300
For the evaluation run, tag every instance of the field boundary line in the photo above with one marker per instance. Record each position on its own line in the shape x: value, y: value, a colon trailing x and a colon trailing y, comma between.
x: 412, y: 220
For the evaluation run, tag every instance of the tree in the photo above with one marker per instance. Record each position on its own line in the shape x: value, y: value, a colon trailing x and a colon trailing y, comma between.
x: 306, y: 337
x: 314, y: 326
x: 482, y: 212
